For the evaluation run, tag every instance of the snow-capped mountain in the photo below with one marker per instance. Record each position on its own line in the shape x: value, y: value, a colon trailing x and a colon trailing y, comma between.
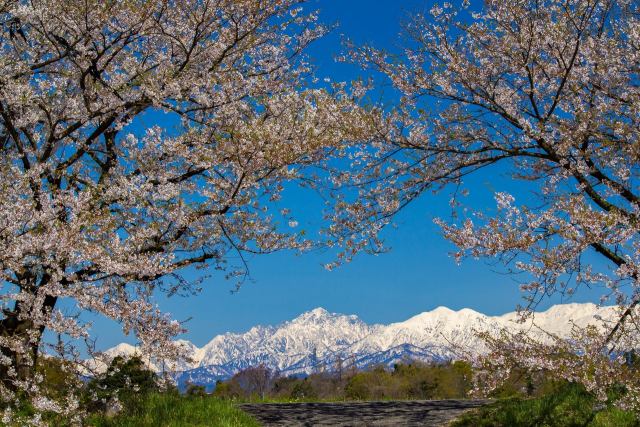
x: 318, y: 339
x: 287, y: 344
x: 443, y: 329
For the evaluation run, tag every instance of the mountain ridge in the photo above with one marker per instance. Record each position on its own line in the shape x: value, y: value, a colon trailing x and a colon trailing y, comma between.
x: 319, y: 338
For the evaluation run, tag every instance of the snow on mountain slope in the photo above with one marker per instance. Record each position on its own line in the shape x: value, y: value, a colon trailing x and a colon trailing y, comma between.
x: 279, y: 347
x: 443, y: 328
x: 439, y: 328
x: 319, y: 338
x: 122, y: 349
x: 560, y: 318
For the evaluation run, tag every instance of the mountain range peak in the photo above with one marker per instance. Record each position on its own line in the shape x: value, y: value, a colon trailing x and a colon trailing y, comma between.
x: 316, y: 313
x: 319, y: 311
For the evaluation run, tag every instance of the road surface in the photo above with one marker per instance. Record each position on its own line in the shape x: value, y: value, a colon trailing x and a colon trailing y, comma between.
x: 359, y: 414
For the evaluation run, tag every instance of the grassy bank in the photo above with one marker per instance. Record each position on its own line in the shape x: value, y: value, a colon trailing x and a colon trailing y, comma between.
x: 173, y: 410
x: 570, y: 405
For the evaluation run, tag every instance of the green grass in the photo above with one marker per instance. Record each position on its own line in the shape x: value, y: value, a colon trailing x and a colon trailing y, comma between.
x: 173, y: 410
x: 570, y: 405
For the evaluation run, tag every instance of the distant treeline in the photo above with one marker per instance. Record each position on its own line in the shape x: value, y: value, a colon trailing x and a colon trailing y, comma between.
x: 129, y: 378
x: 408, y: 380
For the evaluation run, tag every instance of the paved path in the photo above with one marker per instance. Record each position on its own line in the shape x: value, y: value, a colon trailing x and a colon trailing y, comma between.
x: 395, y: 413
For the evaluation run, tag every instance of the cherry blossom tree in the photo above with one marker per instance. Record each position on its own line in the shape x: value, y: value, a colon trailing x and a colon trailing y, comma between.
x: 138, y: 138
x: 550, y: 90
x: 579, y: 359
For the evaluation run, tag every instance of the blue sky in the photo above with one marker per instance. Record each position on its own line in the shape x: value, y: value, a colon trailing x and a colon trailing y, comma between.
x: 415, y: 276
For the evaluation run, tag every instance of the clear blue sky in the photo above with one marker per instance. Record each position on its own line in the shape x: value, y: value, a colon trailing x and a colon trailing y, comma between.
x: 417, y: 275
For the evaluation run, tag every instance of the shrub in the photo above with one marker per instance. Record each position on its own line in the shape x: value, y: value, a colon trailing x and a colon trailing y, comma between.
x: 195, y: 390
x: 303, y: 390
x: 569, y: 404
x: 357, y: 387
x: 127, y: 381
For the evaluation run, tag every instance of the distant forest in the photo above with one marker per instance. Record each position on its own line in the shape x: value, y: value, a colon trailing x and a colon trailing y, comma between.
x: 408, y: 380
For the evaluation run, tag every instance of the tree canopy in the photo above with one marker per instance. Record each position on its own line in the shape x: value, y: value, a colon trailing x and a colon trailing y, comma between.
x: 137, y: 138
x: 550, y: 90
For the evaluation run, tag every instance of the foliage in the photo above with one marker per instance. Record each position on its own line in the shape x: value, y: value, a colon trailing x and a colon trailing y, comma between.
x: 226, y: 390
x: 59, y: 382
x: 412, y: 381
x: 124, y: 384
x: 252, y: 382
x: 196, y: 390
x: 568, y: 404
x: 359, y: 386
x: 174, y: 410
x: 59, y: 377
x: 138, y: 138
x: 303, y: 390
x: 405, y: 381
x: 546, y: 92
x: 579, y: 359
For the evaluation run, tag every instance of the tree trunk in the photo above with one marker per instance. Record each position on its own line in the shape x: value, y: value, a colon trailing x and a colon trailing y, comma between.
x: 27, y: 335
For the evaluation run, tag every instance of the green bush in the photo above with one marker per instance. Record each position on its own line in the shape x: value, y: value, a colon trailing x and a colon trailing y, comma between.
x: 196, y: 390
x: 357, y: 387
x: 226, y: 390
x: 303, y: 390
x: 126, y: 379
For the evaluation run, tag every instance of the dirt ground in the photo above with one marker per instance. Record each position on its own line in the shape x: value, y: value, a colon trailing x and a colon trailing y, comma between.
x: 393, y: 413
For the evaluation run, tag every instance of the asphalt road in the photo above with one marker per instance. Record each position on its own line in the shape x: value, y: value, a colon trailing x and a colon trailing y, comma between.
x: 393, y: 413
